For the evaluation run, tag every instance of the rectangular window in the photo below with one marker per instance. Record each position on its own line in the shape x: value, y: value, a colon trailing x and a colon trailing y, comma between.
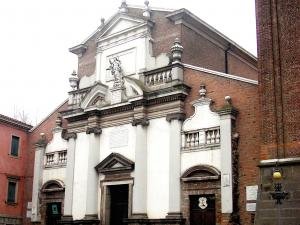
x: 14, y: 151
x: 12, y: 191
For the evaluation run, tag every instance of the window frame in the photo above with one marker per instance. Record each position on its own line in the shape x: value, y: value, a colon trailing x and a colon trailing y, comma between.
x: 11, y: 146
x: 16, y: 181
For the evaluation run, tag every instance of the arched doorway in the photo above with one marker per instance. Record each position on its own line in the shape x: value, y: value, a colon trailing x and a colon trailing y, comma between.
x: 201, y: 195
x: 52, y: 199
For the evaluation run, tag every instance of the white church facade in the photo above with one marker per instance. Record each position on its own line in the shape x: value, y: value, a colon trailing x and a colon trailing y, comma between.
x: 141, y: 141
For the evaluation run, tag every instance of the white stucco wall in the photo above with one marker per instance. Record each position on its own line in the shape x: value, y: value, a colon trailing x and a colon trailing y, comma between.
x: 201, y: 157
x: 80, y: 176
x: 57, y: 143
x: 202, y: 118
x: 158, y: 168
x: 119, y: 139
x: 54, y: 174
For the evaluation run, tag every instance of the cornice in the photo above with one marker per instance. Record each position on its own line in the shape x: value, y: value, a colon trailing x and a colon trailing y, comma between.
x: 15, y: 123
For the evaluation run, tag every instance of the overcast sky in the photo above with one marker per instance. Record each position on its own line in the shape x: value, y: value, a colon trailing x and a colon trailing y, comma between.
x: 35, y: 36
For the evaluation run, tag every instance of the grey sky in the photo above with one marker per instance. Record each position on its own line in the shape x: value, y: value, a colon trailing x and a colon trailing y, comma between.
x: 36, y: 34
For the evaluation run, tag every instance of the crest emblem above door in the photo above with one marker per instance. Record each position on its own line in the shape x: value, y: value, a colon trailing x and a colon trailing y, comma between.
x: 202, y: 203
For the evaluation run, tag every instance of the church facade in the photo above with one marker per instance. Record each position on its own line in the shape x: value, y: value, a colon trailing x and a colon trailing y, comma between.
x: 160, y: 127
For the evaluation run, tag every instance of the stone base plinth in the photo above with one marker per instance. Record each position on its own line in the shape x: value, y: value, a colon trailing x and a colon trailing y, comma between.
x: 167, y: 221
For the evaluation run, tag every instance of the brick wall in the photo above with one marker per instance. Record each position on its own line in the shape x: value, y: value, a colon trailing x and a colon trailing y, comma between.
x: 279, y: 67
x: 245, y: 99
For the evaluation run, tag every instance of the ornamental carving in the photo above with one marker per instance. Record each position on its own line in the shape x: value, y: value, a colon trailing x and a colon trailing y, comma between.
x: 202, y: 203
x: 116, y: 71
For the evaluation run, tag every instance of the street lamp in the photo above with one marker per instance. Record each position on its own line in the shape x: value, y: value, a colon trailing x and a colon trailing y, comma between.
x: 278, y: 194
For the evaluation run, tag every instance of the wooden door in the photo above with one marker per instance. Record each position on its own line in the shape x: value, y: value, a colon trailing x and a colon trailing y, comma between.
x: 118, y: 204
x: 53, y: 213
x: 202, y: 210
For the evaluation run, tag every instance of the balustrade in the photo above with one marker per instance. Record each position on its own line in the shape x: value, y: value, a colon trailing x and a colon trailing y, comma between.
x: 56, y: 159
x: 158, y: 78
x: 201, y: 138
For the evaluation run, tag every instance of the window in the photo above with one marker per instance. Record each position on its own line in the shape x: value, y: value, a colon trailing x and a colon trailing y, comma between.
x: 14, y: 150
x: 12, y: 191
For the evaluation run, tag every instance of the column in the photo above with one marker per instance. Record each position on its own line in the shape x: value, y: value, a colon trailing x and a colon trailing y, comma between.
x: 68, y: 202
x: 175, y: 120
x: 38, y: 177
x: 92, y: 176
x: 226, y: 161
x: 139, y: 204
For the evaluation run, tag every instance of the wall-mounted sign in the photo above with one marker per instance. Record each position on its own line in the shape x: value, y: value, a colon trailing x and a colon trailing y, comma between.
x: 251, y: 193
x: 251, y: 207
x: 225, y: 180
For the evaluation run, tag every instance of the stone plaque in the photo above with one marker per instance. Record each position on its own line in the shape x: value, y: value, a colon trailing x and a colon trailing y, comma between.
x: 118, y: 138
x: 251, y: 193
x: 251, y: 207
x: 225, y: 180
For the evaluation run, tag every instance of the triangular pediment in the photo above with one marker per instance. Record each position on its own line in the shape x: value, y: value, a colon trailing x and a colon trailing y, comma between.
x: 95, y: 97
x: 121, y: 24
x: 115, y: 163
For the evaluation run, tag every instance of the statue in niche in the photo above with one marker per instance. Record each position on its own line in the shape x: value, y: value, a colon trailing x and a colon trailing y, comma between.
x: 116, y: 70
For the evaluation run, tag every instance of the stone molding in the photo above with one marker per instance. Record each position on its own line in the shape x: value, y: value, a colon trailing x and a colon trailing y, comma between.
x: 228, y: 110
x: 115, y: 163
x: 41, y: 143
x: 94, y: 130
x: 15, y: 123
x: 59, y: 186
x: 142, y: 121
x: 66, y: 135
x: 79, y: 50
x: 166, y: 221
x: 175, y: 116
x: 279, y: 162
x: 213, y: 173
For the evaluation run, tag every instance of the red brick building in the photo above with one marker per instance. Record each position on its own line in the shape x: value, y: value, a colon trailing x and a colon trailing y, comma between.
x: 278, y: 37
x: 14, y: 162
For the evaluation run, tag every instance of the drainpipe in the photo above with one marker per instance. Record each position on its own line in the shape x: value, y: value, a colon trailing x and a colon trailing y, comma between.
x: 226, y: 57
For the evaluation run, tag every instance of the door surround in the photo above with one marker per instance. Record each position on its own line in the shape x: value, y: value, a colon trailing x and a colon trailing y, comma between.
x: 200, y: 180
x: 105, y: 198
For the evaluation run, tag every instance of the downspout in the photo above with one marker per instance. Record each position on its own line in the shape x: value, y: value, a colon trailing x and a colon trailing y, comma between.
x: 226, y: 57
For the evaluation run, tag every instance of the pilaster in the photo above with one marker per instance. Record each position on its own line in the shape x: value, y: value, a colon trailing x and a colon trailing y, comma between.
x: 68, y: 202
x: 92, y: 176
x: 175, y: 120
x: 227, y: 118
x: 139, y: 200
x: 38, y: 177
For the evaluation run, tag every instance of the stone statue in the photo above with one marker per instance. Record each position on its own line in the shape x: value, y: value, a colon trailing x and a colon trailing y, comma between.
x: 116, y: 70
